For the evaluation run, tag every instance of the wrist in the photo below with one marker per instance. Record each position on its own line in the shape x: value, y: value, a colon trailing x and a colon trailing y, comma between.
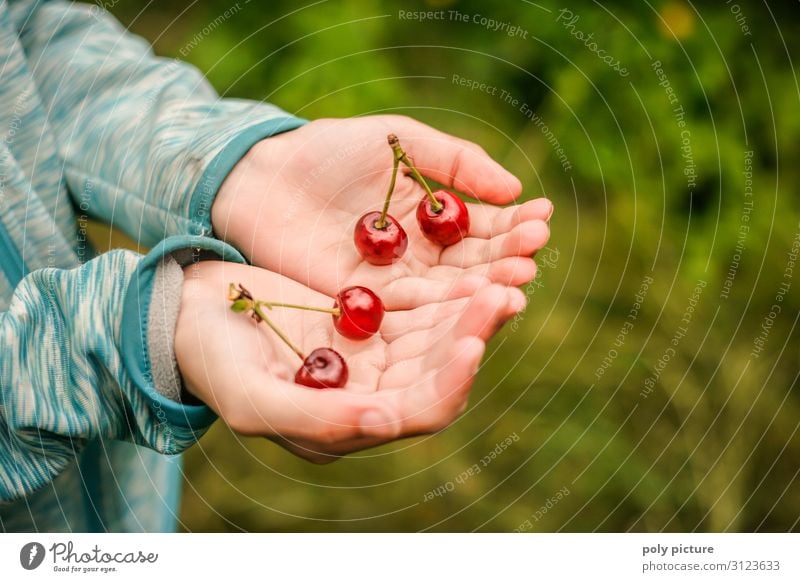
x: 186, y: 336
x: 224, y: 218
x: 238, y: 201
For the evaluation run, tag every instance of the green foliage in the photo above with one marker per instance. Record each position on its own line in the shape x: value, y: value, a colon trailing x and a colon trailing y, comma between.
x: 713, y: 443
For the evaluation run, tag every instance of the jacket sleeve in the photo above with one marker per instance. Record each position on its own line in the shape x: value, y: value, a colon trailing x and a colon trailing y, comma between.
x: 146, y: 141
x: 76, y: 365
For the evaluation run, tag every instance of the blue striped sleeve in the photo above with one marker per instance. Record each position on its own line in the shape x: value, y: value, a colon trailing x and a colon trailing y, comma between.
x: 75, y: 367
x: 146, y: 141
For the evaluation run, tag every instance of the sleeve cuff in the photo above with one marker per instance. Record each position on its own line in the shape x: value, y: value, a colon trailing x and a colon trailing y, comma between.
x: 191, y: 420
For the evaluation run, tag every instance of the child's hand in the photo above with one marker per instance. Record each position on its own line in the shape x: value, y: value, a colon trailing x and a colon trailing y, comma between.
x: 291, y: 205
x: 413, y: 377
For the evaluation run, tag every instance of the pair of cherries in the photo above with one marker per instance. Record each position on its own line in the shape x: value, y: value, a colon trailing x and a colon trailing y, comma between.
x: 357, y: 314
x: 442, y: 216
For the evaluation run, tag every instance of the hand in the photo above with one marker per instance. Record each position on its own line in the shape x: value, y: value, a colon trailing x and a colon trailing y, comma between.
x: 413, y: 377
x: 291, y: 205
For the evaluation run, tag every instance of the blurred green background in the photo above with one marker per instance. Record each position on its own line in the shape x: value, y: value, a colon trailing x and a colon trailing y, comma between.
x: 616, y: 414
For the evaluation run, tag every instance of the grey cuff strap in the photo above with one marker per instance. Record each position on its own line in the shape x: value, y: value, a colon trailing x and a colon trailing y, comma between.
x: 165, y: 303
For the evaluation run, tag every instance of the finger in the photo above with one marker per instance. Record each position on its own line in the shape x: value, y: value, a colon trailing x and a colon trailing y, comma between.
x: 487, y: 221
x: 416, y: 343
x: 399, y: 323
x: 510, y: 271
x: 429, y: 405
x: 411, y: 292
x: 456, y: 356
x: 290, y: 411
x: 481, y: 317
x: 435, y: 406
x: 454, y: 381
x: 457, y: 163
x: 523, y: 240
x: 488, y: 311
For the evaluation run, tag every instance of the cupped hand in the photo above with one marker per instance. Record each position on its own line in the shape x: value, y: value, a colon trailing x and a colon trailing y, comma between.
x: 411, y: 378
x: 292, y: 203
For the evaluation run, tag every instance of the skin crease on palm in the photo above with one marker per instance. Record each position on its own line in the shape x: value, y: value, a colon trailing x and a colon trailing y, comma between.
x: 290, y: 205
x: 321, y: 178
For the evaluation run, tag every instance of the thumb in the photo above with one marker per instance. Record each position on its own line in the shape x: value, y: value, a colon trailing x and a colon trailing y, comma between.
x: 329, y: 416
x: 457, y: 163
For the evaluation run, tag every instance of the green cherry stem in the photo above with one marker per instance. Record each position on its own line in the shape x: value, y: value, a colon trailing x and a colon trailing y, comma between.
x: 381, y: 222
x: 400, y: 155
x: 242, y: 300
x: 257, y: 310
x: 271, y: 304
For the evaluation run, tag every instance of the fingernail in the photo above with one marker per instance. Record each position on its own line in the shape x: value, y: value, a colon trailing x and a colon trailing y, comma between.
x: 549, y: 214
x: 376, y: 423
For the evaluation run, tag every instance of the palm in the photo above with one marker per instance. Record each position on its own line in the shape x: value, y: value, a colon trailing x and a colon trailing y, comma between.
x: 321, y: 178
x: 420, y: 363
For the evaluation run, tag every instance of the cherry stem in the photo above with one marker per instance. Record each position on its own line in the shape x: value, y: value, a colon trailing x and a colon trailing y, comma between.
x: 278, y: 332
x: 271, y: 304
x: 381, y: 222
x: 400, y: 155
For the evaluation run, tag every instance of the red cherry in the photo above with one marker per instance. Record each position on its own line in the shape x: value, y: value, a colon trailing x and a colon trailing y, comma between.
x: 449, y: 225
x: 323, y: 368
x: 360, y: 313
x: 380, y: 246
